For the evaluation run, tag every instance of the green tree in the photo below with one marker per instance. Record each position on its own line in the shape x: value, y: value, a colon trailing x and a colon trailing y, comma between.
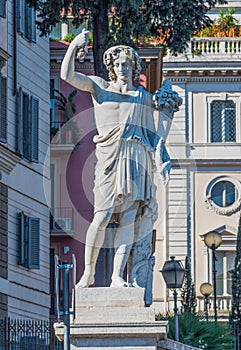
x: 235, y: 316
x: 188, y: 295
x: 124, y: 21
x: 201, y: 334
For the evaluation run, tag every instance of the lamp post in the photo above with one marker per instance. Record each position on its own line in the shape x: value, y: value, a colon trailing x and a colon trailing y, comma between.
x: 213, y: 240
x: 206, y: 289
x: 173, y: 273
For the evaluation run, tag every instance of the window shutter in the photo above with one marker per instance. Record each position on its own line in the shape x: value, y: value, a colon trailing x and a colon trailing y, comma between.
x: 20, y: 16
x: 3, y: 8
x: 33, y: 26
x: 3, y: 109
x: 22, y: 239
x: 34, y: 149
x: 27, y: 21
x: 33, y: 243
x: 20, y: 121
x: 26, y: 127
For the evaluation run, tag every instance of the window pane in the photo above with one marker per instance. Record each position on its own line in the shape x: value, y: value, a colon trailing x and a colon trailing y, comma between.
x: 219, y: 269
x: 230, y: 267
x: 216, y: 131
x: 223, y: 121
x: 230, y: 122
x: 223, y: 193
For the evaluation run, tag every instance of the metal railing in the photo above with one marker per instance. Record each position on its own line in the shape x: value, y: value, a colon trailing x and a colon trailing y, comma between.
x: 17, y: 334
x: 62, y: 219
x: 64, y: 133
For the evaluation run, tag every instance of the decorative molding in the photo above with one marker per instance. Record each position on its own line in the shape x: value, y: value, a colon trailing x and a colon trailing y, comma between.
x: 231, y: 209
x: 4, y: 56
x: 8, y: 159
x: 203, y: 79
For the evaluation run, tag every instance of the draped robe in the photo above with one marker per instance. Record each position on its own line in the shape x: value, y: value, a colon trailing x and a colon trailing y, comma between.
x: 124, y: 169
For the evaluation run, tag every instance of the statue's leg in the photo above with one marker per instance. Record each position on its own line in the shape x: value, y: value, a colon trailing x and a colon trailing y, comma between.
x: 123, y: 243
x: 94, y: 241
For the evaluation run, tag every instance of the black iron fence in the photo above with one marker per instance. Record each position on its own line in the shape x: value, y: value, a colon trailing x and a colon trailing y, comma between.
x: 28, y: 335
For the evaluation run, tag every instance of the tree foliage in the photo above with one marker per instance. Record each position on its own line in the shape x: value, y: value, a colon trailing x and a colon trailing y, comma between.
x: 188, y: 295
x: 125, y: 21
x: 201, y: 334
x: 235, y: 316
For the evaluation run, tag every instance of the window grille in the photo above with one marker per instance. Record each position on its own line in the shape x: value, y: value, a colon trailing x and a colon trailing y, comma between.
x: 223, y: 121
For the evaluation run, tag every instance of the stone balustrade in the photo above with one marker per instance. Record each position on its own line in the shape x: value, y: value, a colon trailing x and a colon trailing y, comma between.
x: 169, y: 344
x: 224, y: 304
x: 210, y: 48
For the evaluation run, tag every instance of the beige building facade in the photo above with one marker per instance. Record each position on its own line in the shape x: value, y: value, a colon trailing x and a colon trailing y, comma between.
x: 204, y: 192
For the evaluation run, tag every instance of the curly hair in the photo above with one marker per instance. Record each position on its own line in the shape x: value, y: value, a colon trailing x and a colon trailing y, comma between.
x: 113, y: 54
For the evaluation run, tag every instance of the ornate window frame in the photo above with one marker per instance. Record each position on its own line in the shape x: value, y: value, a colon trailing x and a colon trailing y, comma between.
x: 231, y: 209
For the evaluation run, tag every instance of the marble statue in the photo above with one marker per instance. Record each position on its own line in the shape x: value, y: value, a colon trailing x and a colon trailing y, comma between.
x: 127, y: 144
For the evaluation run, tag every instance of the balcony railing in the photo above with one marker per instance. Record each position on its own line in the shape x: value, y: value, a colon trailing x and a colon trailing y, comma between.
x: 64, y: 133
x: 224, y: 304
x: 62, y: 219
x: 215, y: 46
x: 208, y: 48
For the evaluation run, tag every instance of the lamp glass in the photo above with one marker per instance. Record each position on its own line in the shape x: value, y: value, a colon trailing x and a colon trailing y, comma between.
x: 212, y: 239
x: 173, y: 273
x: 206, y: 289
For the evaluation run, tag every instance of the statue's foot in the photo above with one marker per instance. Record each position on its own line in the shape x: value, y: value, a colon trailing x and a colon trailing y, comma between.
x: 87, y: 279
x: 117, y: 281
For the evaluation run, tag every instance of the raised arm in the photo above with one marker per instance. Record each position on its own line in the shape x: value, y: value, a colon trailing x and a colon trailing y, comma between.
x: 78, y: 80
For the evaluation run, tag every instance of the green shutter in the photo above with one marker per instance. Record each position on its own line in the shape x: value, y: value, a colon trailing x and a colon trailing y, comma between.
x: 20, y: 16
x: 33, y: 25
x: 20, y: 121
x: 34, y: 148
x: 3, y: 109
x: 26, y: 127
x: 33, y: 243
x: 22, y: 239
x: 3, y: 8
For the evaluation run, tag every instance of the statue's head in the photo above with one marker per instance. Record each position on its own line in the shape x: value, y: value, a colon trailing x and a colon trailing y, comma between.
x: 113, y: 53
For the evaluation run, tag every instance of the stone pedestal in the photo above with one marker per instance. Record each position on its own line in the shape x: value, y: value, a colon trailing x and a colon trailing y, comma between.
x: 113, y: 319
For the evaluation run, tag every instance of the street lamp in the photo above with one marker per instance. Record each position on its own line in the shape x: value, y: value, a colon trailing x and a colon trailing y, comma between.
x: 173, y: 273
x: 213, y: 240
x: 206, y: 289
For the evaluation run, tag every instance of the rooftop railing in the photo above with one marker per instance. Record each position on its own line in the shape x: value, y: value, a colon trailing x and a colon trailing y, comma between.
x: 208, y: 48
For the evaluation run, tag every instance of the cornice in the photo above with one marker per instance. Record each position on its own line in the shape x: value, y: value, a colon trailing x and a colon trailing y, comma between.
x: 146, y: 53
x: 8, y: 159
x: 210, y: 163
x: 211, y: 78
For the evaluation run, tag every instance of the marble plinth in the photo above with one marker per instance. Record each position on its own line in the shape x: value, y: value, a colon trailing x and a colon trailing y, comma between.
x: 113, y: 319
